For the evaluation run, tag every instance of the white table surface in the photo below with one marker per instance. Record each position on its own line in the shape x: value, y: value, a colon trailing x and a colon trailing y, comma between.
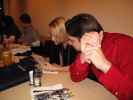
x: 84, y: 90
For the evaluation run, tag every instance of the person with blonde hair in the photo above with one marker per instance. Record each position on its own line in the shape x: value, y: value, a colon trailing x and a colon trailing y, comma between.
x: 57, y: 30
x: 60, y: 52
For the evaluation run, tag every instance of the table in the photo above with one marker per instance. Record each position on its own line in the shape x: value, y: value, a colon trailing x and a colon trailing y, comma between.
x: 84, y: 90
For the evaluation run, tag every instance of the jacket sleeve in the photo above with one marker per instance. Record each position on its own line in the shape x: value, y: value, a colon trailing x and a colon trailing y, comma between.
x: 119, y: 78
x: 118, y: 83
x: 78, y: 71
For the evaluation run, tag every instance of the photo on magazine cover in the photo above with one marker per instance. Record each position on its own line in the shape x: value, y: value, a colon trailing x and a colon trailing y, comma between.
x: 61, y: 94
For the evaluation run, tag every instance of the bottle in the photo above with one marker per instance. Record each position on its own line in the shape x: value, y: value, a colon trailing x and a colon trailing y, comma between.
x: 31, y: 82
x: 37, y: 77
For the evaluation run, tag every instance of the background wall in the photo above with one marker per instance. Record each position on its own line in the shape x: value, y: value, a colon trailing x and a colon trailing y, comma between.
x: 114, y: 15
x: 43, y: 11
x: 14, y: 8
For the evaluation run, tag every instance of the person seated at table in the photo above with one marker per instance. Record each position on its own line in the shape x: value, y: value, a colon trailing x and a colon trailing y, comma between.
x: 30, y: 35
x: 61, y: 53
x: 10, y: 28
x: 58, y: 51
x: 107, y: 55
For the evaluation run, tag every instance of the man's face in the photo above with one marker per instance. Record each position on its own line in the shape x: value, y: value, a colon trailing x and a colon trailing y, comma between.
x: 75, y: 42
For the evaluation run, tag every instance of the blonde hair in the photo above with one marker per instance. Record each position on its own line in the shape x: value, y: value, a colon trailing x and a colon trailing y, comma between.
x: 58, y: 29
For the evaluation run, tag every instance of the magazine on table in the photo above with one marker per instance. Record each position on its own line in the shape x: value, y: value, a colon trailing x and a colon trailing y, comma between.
x: 55, y: 92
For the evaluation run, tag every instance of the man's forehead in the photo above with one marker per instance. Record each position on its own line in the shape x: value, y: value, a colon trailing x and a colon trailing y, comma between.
x: 72, y: 38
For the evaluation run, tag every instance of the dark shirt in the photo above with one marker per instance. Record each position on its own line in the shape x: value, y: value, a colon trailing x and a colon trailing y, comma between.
x: 68, y: 54
x: 51, y: 50
x: 13, y: 30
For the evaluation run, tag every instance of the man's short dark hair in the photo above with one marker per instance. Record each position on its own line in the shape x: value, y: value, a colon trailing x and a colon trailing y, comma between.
x: 81, y: 23
x: 25, y: 18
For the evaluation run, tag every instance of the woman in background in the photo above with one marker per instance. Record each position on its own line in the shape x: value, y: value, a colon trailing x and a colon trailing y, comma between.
x: 57, y: 50
x: 62, y: 53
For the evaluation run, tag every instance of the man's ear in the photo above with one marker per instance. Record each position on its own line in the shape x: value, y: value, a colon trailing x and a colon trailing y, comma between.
x: 101, y: 36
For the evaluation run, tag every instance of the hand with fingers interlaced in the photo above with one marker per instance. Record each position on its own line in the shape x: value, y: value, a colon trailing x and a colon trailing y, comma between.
x: 91, y: 48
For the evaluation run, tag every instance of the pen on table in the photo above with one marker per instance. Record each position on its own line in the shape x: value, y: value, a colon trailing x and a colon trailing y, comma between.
x: 20, y: 67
